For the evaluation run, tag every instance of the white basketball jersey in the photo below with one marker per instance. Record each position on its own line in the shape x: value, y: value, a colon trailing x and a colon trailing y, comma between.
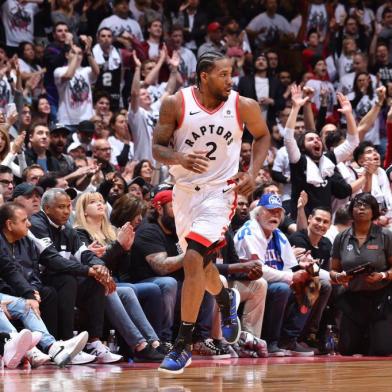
x: 216, y: 131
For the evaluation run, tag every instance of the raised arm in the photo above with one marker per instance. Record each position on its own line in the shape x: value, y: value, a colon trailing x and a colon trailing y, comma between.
x: 371, y: 116
x: 135, y: 89
x: 344, y: 150
x: 71, y: 69
x: 152, y: 76
x: 289, y: 141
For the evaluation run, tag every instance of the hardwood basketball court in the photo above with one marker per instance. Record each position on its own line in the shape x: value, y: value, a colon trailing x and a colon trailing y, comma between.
x: 278, y: 374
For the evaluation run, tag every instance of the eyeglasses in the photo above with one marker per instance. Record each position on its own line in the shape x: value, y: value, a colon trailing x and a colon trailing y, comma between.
x: 6, y: 182
x: 359, y: 204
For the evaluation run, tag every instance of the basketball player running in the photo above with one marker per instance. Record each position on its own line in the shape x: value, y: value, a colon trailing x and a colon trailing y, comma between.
x: 204, y: 126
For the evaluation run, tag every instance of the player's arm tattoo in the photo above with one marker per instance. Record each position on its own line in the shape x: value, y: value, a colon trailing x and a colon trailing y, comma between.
x: 164, y: 265
x: 163, y: 133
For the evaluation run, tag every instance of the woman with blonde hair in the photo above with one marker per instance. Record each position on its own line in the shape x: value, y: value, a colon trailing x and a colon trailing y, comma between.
x: 122, y: 308
x: 9, y: 151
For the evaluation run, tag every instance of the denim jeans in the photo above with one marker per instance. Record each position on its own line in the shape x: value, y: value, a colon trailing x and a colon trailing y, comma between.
x: 17, y: 309
x: 282, y: 320
x: 168, y: 287
x: 150, y: 299
x: 124, y: 312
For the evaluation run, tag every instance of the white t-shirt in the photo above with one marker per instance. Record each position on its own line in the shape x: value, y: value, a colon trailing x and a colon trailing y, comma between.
x: 344, y: 65
x: 6, y: 95
x: 142, y: 123
x: 75, y: 95
x: 273, y: 26
x: 117, y: 147
x: 317, y: 19
x: 18, y: 21
x: 282, y: 165
x: 262, y: 91
x: 188, y: 63
x: 119, y: 25
x: 340, y: 11
x: 318, y: 85
x: 360, y: 110
x: 346, y: 85
x: 153, y: 50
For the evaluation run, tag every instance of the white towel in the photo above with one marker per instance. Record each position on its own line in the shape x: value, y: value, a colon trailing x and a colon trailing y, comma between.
x: 317, y: 174
x: 114, y: 57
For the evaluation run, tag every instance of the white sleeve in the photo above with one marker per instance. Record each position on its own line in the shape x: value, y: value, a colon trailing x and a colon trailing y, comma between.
x: 255, y: 23
x: 278, y: 162
x: 274, y: 275
x: 344, y: 150
x: 58, y: 73
x: 292, y: 146
x: 385, y: 187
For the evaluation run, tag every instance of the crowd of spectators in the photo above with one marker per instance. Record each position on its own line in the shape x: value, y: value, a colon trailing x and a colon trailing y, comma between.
x: 88, y: 238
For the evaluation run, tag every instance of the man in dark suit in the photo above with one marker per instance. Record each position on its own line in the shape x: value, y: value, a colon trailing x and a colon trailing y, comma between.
x: 267, y: 90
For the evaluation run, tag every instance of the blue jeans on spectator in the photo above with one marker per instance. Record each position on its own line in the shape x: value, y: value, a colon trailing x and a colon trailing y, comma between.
x: 17, y: 309
x: 124, y: 312
x: 282, y: 318
x: 168, y: 287
x: 204, y: 319
x: 150, y: 299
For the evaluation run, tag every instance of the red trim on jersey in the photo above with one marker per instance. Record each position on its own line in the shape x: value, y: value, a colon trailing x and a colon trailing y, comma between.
x: 237, y: 110
x: 234, y: 206
x: 198, y: 238
x: 183, y: 110
x: 203, y: 107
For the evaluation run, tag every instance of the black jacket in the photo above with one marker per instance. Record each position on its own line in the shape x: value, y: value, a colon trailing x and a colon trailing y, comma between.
x: 114, y: 255
x: 11, y: 276
x: 247, y: 88
x: 64, y: 251
x: 52, y: 162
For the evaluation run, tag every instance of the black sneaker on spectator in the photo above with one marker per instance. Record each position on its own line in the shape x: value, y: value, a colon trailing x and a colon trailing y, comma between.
x: 312, y: 343
x: 206, y: 349
x: 165, y: 347
x: 293, y: 349
x: 275, y: 351
x: 148, y: 354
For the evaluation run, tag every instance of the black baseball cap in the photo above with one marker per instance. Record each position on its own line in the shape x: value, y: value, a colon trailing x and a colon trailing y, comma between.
x: 60, y: 128
x: 137, y: 180
x: 164, y: 186
x: 86, y: 126
x: 25, y: 188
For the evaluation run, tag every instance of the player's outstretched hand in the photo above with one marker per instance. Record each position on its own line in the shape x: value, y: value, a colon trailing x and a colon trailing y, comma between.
x: 245, y: 183
x: 196, y: 161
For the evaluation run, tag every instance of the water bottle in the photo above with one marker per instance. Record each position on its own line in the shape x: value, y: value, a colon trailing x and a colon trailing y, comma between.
x: 330, y: 345
x: 112, y: 341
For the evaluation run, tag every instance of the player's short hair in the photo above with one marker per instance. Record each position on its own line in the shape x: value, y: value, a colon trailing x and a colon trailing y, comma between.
x: 206, y: 61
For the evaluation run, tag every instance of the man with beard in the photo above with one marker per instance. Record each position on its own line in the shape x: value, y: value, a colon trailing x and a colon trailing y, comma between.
x: 112, y: 188
x: 312, y: 240
x: 313, y: 170
x: 155, y: 253
x: 58, y: 142
x: 241, y: 213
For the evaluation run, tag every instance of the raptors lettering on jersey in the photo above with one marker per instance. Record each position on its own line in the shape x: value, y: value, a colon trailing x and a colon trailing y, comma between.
x: 217, y: 132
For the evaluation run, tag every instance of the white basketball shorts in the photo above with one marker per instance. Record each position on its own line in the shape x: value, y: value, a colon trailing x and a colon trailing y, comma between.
x: 203, y: 213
